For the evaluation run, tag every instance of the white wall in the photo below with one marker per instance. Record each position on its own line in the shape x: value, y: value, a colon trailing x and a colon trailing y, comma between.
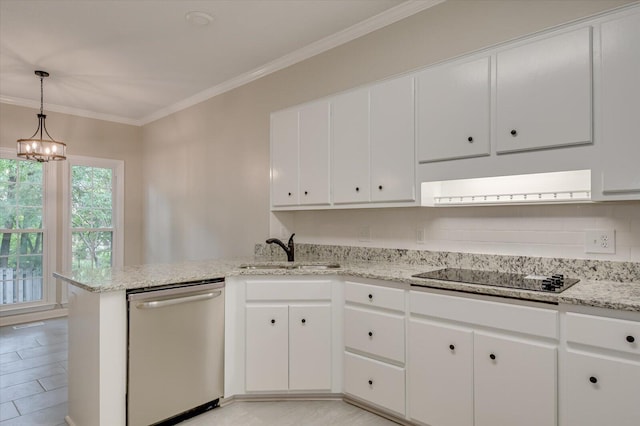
x: 547, y: 231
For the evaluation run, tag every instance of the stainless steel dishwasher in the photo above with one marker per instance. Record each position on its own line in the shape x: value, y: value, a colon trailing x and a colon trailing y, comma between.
x: 175, y: 363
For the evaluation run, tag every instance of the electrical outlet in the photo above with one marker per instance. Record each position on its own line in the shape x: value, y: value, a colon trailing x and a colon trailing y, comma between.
x: 364, y: 233
x: 600, y: 241
x: 420, y: 235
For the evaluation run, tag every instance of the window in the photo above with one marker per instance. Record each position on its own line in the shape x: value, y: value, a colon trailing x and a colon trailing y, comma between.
x: 92, y: 205
x: 25, y: 244
x: 94, y: 216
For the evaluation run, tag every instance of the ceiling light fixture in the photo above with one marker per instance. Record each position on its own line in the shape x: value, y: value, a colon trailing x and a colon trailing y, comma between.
x: 198, y: 19
x: 39, y: 149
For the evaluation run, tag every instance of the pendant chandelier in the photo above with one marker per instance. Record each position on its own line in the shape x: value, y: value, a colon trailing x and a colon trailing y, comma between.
x: 36, y: 147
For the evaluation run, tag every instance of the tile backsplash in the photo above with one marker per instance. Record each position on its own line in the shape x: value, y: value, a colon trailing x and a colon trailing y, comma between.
x: 556, y: 231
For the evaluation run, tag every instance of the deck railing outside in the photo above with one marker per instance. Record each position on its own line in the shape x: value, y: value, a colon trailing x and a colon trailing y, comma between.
x: 19, y: 287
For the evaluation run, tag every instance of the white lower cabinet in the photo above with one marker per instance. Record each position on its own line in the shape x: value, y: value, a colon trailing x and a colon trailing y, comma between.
x: 288, y: 335
x: 441, y: 374
x: 477, y: 362
x: 514, y: 382
x: 288, y: 347
x: 374, y: 339
x: 267, y: 338
x: 374, y: 381
x: 601, y: 370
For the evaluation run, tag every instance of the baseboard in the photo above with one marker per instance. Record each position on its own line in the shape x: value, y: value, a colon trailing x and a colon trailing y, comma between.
x: 33, y: 316
x: 389, y: 415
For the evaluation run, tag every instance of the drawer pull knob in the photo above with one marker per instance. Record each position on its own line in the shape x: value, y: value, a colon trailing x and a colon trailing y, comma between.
x: 514, y: 133
x: 371, y: 334
x: 371, y: 297
x: 370, y: 382
x: 492, y: 356
x: 593, y: 380
x: 631, y: 339
x: 452, y: 347
x: 470, y: 139
x: 380, y: 187
x: 289, y: 194
x: 306, y: 192
x: 304, y: 321
x: 273, y: 321
x: 357, y: 189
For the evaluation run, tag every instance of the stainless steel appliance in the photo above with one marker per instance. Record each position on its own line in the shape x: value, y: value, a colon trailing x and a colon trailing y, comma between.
x: 553, y: 283
x: 176, y: 352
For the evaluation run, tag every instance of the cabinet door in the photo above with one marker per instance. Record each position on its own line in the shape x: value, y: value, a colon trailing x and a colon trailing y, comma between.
x: 310, y: 347
x: 614, y: 398
x: 267, y: 359
x: 515, y: 382
x: 350, y: 143
x: 453, y: 111
x: 392, y: 141
x: 314, y: 153
x: 620, y: 85
x: 544, y: 93
x: 284, y: 158
x: 440, y: 375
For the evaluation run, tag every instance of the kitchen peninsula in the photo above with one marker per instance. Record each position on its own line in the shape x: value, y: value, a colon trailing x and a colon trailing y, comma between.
x: 98, y: 319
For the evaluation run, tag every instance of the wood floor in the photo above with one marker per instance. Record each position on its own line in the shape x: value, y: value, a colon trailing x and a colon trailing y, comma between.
x: 33, y: 389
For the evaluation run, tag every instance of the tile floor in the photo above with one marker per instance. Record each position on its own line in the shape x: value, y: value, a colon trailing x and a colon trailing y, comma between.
x: 33, y: 389
x: 33, y: 374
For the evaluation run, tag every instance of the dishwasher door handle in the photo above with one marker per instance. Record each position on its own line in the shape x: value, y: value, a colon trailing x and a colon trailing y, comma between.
x: 177, y: 301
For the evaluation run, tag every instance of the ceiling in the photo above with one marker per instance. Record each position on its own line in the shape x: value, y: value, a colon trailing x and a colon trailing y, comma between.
x: 133, y: 61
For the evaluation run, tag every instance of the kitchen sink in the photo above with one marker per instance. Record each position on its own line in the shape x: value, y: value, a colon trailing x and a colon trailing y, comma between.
x: 300, y: 266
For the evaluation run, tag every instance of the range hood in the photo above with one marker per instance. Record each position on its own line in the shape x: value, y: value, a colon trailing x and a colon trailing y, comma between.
x: 538, y: 188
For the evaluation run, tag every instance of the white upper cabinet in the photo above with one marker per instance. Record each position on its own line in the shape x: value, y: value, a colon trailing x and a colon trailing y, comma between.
x: 300, y: 155
x: 284, y: 158
x: 543, y: 93
x: 453, y: 103
x: 350, y: 126
x: 392, y: 140
x: 620, y: 113
x: 314, y: 153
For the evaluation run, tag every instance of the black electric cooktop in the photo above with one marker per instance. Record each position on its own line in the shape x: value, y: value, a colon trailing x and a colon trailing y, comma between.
x: 551, y: 284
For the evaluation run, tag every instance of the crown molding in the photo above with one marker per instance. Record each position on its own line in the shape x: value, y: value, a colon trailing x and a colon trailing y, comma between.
x: 69, y: 110
x: 388, y: 17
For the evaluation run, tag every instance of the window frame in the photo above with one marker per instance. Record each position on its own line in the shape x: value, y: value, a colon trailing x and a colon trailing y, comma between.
x: 49, y: 235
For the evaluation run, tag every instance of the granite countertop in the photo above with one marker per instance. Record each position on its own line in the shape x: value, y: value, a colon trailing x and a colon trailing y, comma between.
x: 605, y: 294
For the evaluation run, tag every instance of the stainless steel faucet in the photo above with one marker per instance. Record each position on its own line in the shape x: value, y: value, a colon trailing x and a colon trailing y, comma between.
x: 289, y: 248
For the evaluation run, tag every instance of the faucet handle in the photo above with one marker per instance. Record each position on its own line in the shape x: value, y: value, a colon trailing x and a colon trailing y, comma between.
x: 291, y: 239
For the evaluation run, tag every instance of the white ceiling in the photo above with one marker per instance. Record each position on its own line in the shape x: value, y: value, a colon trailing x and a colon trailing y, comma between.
x: 134, y: 61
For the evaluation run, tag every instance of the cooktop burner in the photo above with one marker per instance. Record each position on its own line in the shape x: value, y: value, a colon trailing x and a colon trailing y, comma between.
x: 553, y: 284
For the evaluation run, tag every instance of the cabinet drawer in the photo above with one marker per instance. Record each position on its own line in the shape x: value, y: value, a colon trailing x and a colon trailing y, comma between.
x: 289, y: 290
x: 504, y: 316
x: 608, y: 333
x: 373, y: 295
x: 374, y: 381
x: 377, y: 333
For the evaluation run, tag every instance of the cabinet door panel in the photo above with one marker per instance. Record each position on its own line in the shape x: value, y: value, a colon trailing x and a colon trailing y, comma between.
x: 310, y: 347
x: 284, y: 158
x: 453, y: 111
x: 392, y: 141
x: 612, y: 400
x: 314, y: 153
x: 544, y: 93
x: 350, y: 129
x: 441, y: 378
x: 518, y: 387
x: 620, y: 105
x: 267, y: 359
